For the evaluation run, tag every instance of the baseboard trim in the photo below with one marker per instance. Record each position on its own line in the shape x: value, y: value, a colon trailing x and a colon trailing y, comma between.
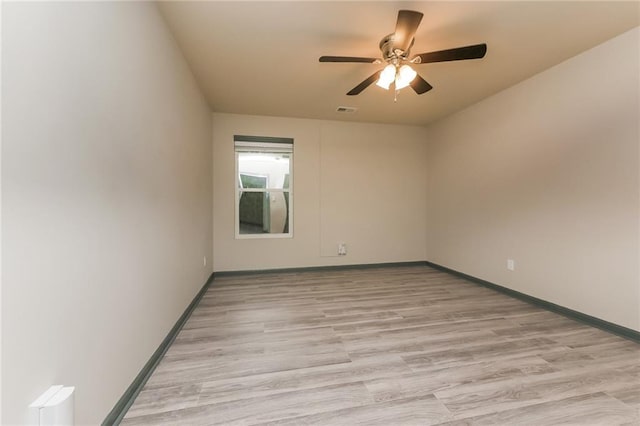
x: 318, y: 268
x: 122, y: 406
x: 619, y: 330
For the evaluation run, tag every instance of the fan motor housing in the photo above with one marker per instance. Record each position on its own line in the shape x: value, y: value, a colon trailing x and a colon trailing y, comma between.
x: 391, y: 55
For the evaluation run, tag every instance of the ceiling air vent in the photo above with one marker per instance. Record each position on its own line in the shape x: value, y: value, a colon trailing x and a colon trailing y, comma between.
x: 346, y: 110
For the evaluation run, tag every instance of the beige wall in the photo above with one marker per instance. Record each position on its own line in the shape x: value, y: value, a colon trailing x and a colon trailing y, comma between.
x: 106, y: 196
x: 546, y: 173
x: 362, y: 184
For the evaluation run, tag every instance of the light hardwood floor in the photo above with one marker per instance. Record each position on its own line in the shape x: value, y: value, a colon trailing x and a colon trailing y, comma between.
x: 389, y: 346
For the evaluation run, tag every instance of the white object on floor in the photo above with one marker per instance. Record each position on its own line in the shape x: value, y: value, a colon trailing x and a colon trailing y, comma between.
x: 55, y: 406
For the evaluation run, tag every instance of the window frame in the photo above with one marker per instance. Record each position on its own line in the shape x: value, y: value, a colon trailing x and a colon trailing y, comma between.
x: 238, y: 185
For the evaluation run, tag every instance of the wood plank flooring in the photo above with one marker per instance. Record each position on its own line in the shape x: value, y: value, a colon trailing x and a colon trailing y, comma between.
x: 389, y: 346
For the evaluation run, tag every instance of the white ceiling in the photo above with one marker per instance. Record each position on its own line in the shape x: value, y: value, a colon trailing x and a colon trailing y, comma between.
x: 262, y: 57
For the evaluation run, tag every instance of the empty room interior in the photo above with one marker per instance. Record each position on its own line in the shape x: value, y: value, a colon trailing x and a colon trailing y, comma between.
x: 312, y: 212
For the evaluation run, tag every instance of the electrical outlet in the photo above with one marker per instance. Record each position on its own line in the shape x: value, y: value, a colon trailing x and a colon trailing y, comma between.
x: 511, y: 264
x: 342, y: 249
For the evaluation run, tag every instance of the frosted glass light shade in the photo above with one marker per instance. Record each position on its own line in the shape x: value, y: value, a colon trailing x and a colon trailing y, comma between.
x: 405, y: 76
x: 387, y: 76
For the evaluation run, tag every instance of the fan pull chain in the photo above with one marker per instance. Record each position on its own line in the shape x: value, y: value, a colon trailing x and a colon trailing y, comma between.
x: 395, y: 95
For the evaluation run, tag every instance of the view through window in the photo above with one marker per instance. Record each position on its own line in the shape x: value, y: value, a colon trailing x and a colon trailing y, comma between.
x: 263, y: 186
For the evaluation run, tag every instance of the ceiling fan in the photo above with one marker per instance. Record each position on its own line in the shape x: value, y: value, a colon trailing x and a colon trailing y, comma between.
x: 395, y: 50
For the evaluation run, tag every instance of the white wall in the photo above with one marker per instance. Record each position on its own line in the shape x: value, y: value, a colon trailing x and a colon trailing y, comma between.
x: 106, y: 186
x: 362, y: 184
x: 1, y: 68
x: 546, y: 173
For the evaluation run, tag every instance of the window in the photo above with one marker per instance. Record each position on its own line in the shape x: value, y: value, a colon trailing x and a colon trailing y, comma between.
x: 264, y: 182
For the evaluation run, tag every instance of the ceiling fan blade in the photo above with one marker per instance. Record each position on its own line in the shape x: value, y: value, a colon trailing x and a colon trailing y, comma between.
x: 366, y: 83
x: 476, y: 51
x: 406, y: 27
x: 420, y: 86
x: 347, y: 59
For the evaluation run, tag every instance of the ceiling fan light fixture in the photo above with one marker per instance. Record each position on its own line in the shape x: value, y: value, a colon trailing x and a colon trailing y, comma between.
x: 405, y: 76
x: 387, y: 76
x: 395, y: 49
